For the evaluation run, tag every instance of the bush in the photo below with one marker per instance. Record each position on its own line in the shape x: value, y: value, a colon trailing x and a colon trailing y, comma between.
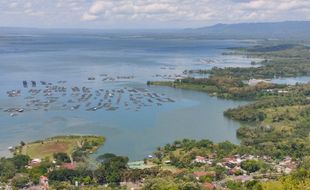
x: 62, y: 157
x: 20, y: 182
x: 251, y: 165
x: 20, y: 161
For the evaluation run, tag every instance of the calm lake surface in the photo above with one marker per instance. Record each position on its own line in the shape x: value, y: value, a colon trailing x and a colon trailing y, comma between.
x: 291, y: 80
x: 112, y: 67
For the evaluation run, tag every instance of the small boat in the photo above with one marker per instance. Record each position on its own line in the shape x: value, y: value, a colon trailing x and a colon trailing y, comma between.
x: 25, y: 84
x: 10, y: 148
x: 75, y: 107
x: 13, y: 114
x: 20, y: 110
x: 33, y: 83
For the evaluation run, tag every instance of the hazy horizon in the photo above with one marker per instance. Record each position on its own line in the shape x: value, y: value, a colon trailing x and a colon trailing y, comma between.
x: 147, y: 29
x: 139, y: 14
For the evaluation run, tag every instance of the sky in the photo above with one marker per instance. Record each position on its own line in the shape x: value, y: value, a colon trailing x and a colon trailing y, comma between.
x: 140, y: 14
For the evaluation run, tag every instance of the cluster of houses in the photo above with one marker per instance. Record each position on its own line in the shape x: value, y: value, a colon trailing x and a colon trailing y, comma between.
x: 236, y: 173
x: 286, y: 166
x: 231, y: 164
x: 277, y: 91
x: 37, y: 161
x: 43, y: 180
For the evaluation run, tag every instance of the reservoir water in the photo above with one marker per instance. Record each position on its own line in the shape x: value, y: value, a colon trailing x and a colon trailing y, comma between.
x: 291, y: 80
x: 114, y: 69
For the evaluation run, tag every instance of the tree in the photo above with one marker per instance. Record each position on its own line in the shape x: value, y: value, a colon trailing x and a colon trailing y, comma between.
x: 159, y: 155
x: 62, y: 175
x: 160, y: 184
x: 20, y: 161
x: 100, y: 175
x: 251, y: 165
x: 115, y: 166
x: 261, y: 116
x: 233, y: 185
x: 219, y: 172
x: 189, y: 186
x: 7, y: 169
x: 22, y: 143
x: 62, y: 157
x: 20, y: 181
x: 79, y: 155
x: 105, y: 157
x: 111, y: 168
x: 35, y: 173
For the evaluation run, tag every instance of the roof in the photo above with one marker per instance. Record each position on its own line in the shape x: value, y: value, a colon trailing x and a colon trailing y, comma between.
x: 228, y: 159
x: 137, y: 165
x: 201, y: 173
x: 200, y: 158
x: 242, y: 178
x: 207, y: 185
x: 69, y: 166
x: 36, y: 160
x: 43, y: 177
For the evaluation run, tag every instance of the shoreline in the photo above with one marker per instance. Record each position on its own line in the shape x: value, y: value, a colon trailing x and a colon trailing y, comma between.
x: 41, y: 149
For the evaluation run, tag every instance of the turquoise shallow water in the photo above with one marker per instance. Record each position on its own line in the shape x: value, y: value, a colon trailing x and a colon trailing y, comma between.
x: 135, y: 132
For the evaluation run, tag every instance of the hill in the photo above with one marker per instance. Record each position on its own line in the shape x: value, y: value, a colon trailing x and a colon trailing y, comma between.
x: 277, y: 30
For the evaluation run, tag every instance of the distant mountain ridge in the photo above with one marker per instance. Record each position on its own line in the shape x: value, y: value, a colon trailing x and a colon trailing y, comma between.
x: 282, y: 30
x: 288, y: 30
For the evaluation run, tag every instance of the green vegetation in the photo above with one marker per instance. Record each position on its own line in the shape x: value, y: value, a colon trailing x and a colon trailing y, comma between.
x: 76, y: 146
x: 274, y: 152
x: 224, y: 87
x: 279, y: 60
x: 279, y: 117
x: 169, y: 183
x: 251, y: 165
x: 276, y: 124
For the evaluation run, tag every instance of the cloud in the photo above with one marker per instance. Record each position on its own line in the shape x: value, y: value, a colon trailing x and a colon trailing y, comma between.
x: 97, y: 7
x: 31, y: 12
x: 89, y: 17
x: 168, y: 13
x: 28, y: 5
x: 13, y: 4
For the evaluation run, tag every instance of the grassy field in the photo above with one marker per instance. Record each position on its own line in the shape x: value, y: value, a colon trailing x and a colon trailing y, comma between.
x: 65, y: 144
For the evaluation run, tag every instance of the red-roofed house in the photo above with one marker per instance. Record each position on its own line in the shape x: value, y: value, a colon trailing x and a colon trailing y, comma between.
x: 198, y: 175
x: 44, y: 183
x: 69, y: 166
x: 229, y: 159
x: 208, y: 186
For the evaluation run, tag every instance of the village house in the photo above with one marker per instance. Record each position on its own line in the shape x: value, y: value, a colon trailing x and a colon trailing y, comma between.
x: 69, y: 166
x: 207, y: 186
x: 33, y: 163
x: 43, y: 183
x: 200, y: 174
x: 242, y: 178
x: 200, y: 159
x: 286, y: 166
